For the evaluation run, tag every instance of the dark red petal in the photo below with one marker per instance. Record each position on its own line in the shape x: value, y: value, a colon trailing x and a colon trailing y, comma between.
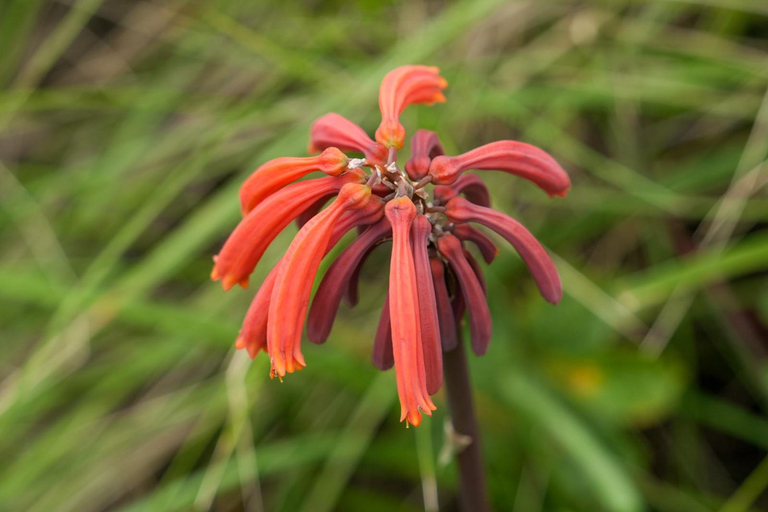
x: 328, y: 297
x: 430, y: 325
x: 533, y: 254
x: 443, y: 304
x: 404, y: 315
x: 313, y: 210
x: 382, y: 356
x: 473, y: 188
x: 488, y: 249
x: 293, y: 285
x: 458, y: 304
x: 381, y: 190
x: 247, y: 243
x: 277, y: 173
x: 333, y: 130
x: 470, y: 185
x: 472, y: 292
x: 444, y: 193
x: 425, y: 145
x: 351, y: 294
x: 477, y: 270
x: 371, y: 213
x: 513, y: 157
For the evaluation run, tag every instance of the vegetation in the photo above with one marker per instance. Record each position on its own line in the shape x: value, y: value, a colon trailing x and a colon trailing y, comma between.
x: 126, y: 128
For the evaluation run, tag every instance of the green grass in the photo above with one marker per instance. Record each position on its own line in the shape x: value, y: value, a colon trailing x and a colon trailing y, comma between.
x: 127, y: 127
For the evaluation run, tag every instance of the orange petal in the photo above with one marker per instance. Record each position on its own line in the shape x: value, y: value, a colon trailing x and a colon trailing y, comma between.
x: 404, y: 315
x: 293, y: 285
x: 247, y: 243
x: 253, y: 335
x: 403, y: 86
x: 277, y: 173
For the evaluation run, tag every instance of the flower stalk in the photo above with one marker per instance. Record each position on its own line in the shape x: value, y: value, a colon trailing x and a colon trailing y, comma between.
x: 473, y: 490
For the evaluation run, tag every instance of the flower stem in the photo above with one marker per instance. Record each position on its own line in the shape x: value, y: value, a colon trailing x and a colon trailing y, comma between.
x: 472, y: 486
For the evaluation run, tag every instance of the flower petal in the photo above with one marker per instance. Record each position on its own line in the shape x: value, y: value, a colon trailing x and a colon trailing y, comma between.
x: 513, y: 157
x: 473, y: 188
x: 382, y: 356
x: 293, y: 285
x: 277, y: 173
x: 487, y: 248
x: 404, y: 315
x: 425, y: 145
x: 403, y: 86
x: 472, y: 292
x: 253, y: 334
x: 247, y: 243
x: 351, y: 293
x: 443, y: 304
x: 475, y: 266
x: 369, y: 214
x: 430, y: 325
x: 313, y: 209
x: 333, y: 130
x: 533, y: 254
x: 328, y: 297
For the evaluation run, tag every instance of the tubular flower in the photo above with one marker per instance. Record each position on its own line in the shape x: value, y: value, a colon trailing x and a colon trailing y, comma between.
x: 332, y: 287
x: 404, y: 316
x: 335, y: 130
x: 425, y: 209
x: 485, y: 245
x: 247, y: 243
x: 293, y: 284
x: 425, y: 146
x: 510, y: 156
x: 277, y: 173
x: 406, y: 85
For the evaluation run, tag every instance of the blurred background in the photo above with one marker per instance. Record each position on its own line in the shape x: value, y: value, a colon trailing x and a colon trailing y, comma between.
x: 126, y: 128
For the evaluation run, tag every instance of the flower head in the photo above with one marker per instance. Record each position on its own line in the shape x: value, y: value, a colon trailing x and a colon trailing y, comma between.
x: 425, y: 209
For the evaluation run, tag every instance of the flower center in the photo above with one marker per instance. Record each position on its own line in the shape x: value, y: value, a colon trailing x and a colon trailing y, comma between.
x: 397, y: 181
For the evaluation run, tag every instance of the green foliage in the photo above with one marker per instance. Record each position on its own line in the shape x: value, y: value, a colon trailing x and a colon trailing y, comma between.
x: 126, y: 128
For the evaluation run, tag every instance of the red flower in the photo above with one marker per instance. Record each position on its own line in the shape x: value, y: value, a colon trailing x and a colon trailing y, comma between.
x: 425, y: 146
x: 424, y: 209
x: 333, y: 130
x: 406, y: 85
x: 510, y: 156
